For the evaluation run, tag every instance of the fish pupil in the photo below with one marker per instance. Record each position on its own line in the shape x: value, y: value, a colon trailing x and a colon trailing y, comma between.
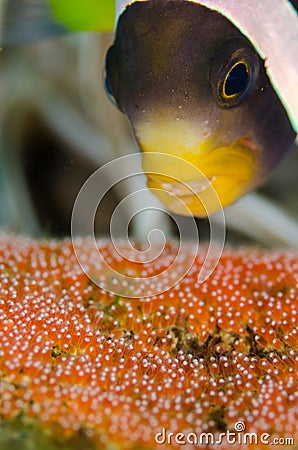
x: 237, y: 80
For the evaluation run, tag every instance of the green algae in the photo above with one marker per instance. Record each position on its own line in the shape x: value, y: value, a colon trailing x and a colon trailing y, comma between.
x: 20, y: 434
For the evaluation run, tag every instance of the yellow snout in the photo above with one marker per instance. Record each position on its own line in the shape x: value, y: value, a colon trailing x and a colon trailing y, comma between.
x: 197, y: 175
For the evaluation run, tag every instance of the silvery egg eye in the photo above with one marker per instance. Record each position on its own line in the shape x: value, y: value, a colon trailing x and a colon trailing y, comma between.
x: 234, y: 70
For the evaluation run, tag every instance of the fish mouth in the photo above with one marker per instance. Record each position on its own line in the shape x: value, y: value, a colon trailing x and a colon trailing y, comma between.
x: 201, y: 184
x: 180, y: 197
x: 181, y: 189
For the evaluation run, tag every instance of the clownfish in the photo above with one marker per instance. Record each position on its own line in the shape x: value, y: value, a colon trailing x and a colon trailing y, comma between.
x: 211, y: 82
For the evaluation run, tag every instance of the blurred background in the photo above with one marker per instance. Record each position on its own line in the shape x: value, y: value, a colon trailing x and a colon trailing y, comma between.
x: 57, y: 126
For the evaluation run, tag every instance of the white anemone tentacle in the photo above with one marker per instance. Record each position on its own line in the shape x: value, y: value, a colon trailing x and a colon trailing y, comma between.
x: 264, y: 221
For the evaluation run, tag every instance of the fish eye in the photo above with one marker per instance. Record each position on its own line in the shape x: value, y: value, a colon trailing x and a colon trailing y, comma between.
x: 234, y: 69
x: 108, y: 88
x: 110, y: 77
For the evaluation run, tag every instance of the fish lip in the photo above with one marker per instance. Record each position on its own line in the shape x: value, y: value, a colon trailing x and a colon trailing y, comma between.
x: 185, y: 188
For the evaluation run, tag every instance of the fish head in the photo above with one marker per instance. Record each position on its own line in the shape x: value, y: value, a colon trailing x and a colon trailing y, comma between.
x: 199, y: 101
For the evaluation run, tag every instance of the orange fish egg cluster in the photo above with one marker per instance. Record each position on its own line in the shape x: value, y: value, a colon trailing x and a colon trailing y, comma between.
x: 194, y: 367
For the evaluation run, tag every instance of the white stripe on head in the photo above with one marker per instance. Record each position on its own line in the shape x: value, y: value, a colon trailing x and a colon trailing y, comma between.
x: 272, y: 27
